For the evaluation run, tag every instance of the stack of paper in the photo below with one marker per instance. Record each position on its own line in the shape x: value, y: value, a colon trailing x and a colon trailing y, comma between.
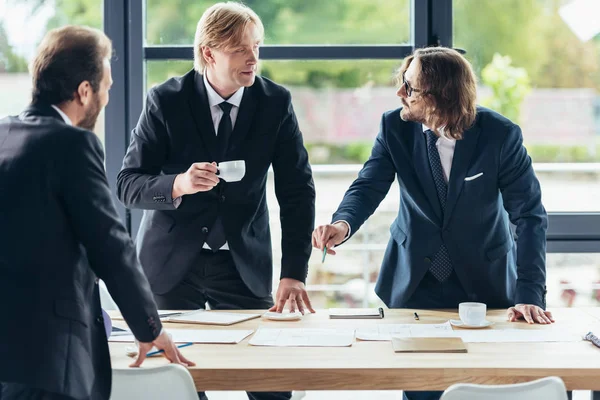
x: 350, y: 313
x: 225, y: 336
x: 303, y: 337
x: 386, y: 331
x: 211, y: 317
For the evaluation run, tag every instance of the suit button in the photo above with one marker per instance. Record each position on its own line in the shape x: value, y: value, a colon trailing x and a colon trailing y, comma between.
x: 204, y: 229
x: 100, y: 320
x: 222, y: 199
x: 427, y: 260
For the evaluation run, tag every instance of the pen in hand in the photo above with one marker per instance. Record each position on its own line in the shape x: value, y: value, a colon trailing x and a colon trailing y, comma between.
x: 324, y: 254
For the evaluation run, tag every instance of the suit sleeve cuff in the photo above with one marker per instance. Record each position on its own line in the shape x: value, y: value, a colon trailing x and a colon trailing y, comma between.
x: 342, y: 221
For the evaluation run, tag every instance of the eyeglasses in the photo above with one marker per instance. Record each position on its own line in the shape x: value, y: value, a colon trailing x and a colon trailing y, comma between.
x: 410, y: 89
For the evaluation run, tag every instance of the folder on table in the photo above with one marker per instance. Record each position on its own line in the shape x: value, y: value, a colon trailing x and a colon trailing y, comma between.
x: 428, y: 345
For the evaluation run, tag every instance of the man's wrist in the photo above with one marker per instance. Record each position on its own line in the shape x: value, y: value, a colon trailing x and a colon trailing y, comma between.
x: 341, y: 221
x: 176, y: 192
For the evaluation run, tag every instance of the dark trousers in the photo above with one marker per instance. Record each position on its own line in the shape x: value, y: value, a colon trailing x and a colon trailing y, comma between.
x: 216, y: 280
x: 432, y: 294
x: 16, y: 391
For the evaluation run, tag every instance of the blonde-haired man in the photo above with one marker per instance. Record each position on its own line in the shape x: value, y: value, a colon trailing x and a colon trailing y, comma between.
x: 203, y: 239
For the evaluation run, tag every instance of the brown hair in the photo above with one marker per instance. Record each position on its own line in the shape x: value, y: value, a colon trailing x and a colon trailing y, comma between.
x: 449, y: 88
x: 66, y: 57
x: 222, y: 26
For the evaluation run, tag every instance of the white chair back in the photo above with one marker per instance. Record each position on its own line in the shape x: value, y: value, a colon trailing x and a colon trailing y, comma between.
x: 551, y: 388
x: 171, y: 381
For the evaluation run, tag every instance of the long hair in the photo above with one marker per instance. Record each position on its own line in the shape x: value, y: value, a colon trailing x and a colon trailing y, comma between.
x: 449, y: 89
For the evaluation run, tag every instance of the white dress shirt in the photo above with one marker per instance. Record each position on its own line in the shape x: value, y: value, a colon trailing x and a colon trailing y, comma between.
x: 214, y: 99
x: 63, y: 115
x: 445, y: 147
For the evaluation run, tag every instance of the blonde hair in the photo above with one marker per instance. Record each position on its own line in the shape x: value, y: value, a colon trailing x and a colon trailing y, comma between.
x: 450, y: 88
x: 222, y: 26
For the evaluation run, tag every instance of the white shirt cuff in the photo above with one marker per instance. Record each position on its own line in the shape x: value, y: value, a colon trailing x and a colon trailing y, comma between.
x: 349, y: 228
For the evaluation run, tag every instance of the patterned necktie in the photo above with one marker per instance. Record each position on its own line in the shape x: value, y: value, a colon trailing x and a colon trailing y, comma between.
x: 216, y: 237
x: 441, y: 266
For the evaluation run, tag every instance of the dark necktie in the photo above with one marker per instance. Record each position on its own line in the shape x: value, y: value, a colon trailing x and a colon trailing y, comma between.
x: 216, y: 237
x: 441, y: 266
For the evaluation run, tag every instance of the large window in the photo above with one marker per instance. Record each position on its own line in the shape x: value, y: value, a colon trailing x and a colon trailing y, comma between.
x: 338, y: 58
x: 293, y: 22
x: 535, y: 69
x: 18, y: 45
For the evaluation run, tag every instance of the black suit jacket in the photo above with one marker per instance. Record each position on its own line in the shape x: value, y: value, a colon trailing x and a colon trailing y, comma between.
x: 60, y: 231
x: 176, y: 130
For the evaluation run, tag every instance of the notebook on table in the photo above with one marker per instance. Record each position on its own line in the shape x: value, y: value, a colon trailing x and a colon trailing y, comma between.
x: 428, y: 345
x: 210, y: 317
x: 356, y: 313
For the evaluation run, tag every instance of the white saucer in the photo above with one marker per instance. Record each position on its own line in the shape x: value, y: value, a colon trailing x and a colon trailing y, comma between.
x: 459, y: 324
x: 284, y: 316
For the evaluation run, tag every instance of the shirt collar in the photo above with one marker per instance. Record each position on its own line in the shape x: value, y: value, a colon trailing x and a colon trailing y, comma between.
x: 426, y: 128
x: 63, y: 115
x: 214, y: 99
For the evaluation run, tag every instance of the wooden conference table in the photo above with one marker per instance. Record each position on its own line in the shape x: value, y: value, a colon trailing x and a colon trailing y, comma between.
x: 375, y: 366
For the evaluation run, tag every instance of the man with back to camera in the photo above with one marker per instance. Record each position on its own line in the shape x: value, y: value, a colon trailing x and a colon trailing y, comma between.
x: 464, y: 175
x: 202, y: 239
x: 60, y: 230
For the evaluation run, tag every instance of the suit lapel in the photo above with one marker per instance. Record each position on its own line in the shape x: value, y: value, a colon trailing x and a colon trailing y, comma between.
x: 243, y: 122
x: 423, y: 170
x: 200, y: 109
x: 463, y: 153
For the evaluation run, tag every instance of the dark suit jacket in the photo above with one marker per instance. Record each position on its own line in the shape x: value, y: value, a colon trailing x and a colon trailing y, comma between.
x: 176, y: 130
x: 475, y: 226
x: 60, y: 231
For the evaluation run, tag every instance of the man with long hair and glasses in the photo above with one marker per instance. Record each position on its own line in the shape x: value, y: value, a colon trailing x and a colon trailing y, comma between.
x: 464, y: 176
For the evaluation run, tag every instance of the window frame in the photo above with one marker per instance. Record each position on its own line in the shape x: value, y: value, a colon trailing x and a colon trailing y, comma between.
x: 431, y: 24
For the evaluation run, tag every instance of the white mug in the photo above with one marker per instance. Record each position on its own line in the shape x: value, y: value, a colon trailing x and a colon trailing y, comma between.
x: 232, y: 171
x: 472, y: 313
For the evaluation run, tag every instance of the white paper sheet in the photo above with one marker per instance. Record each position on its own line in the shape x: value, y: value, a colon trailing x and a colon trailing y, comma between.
x: 303, y: 337
x: 211, y: 317
x: 516, y: 336
x: 385, y: 332
x: 227, y: 336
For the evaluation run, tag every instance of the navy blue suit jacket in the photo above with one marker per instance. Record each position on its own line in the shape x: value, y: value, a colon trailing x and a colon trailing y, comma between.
x: 493, y: 265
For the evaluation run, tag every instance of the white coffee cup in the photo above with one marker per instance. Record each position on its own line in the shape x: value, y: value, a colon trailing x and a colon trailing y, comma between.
x: 472, y: 313
x: 232, y: 171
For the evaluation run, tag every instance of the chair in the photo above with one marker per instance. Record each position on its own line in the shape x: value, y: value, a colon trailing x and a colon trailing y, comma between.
x: 105, y: 299
x: 171, y: 381
x: 551, y: 388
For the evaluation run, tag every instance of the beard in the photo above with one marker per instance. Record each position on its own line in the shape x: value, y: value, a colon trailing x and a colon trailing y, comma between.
x: 408, y: 116
x: 91, y: 115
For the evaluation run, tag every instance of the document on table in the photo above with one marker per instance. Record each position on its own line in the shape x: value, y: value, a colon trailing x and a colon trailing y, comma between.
x: 211, y: 317
x: 516, y: 335
x: 303, y: 337
x: 225, y: 336
x: 385, y: 332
